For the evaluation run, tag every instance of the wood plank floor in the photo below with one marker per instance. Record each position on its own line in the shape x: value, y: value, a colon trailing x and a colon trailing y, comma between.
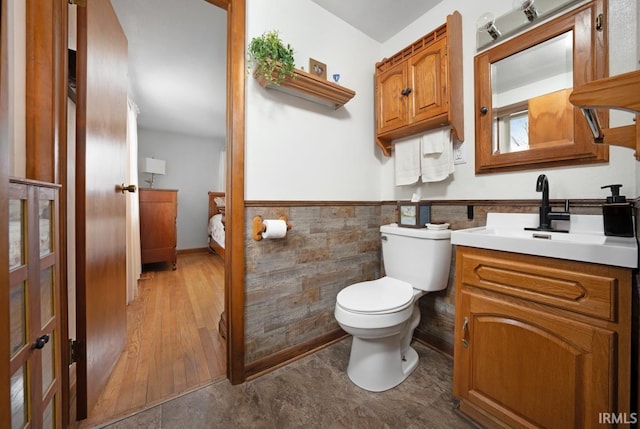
x: 173, y: 344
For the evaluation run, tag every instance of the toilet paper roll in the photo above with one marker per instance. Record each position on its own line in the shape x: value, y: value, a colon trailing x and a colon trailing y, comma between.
x: 275, y: 228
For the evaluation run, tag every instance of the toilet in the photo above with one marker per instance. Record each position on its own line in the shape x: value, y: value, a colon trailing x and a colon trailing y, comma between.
x: 382, y: 314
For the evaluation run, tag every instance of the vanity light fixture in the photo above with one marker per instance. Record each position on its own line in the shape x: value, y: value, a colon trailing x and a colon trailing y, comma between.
x: 529, y: 10
x: 491, y: 30
x: 487, y: 22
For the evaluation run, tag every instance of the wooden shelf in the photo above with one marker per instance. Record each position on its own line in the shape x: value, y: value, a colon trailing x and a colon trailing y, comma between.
x: 615, y: 92
x: 313, y: 88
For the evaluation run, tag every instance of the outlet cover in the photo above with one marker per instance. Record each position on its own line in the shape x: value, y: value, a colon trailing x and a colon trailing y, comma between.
x: 459, y: 153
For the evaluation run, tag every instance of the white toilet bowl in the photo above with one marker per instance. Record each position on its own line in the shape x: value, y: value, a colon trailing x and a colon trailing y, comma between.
x: 379, y: 358
x: 382, y: 314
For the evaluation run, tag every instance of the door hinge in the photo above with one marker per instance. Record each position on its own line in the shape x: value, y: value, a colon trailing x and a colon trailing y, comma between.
x: 76, y: 350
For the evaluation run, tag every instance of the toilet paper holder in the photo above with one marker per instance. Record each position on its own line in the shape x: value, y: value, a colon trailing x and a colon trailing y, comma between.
x: 259, y: 226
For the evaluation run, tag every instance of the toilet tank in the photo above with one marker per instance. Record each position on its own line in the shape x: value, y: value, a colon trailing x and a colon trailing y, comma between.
x: 421, y: 257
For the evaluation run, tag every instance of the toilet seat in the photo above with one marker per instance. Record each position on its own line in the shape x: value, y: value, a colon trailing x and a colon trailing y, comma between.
x: 382, y: 296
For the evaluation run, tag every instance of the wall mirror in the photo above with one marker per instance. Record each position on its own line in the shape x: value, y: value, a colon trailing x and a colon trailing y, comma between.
x: 523, y: 116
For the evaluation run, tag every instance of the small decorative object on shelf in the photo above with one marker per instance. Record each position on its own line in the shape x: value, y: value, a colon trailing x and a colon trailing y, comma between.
x: 270, y: 58
x: 414, y: 214
x: 317, y: 68
x: 336, y: 77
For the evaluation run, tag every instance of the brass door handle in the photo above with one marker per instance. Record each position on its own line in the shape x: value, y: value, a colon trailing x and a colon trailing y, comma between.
x: 122, y: 188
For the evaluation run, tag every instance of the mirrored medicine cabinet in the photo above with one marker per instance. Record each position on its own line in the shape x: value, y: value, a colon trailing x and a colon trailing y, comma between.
x: 523, y: 116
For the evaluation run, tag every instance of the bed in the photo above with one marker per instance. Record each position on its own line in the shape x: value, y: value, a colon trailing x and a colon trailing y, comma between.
x: 216, y: 223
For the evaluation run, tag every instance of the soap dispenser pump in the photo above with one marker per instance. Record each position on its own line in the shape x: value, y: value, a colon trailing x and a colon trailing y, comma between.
x: 617, y: 214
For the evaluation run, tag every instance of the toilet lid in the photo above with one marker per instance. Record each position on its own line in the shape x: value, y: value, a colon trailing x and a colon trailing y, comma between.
x: 377, y: 296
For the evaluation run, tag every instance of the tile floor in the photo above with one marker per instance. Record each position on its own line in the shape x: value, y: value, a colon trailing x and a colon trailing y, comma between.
x: 314, y: 392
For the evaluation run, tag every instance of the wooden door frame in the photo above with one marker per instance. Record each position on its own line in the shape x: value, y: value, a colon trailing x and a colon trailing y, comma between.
x: 234, y: 253
x: 5, y: 396
x: 234, y: 260
x: 46, y: 28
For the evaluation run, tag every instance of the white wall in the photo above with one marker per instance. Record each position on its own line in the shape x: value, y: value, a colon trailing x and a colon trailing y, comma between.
x: 296, y: 150
x: 192, y: 169
x: 575, y: 182
x: 16, y: 54
x: 299, y: 150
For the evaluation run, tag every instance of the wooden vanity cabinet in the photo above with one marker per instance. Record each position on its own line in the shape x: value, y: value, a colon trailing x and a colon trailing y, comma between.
x: 541, y: 342
x: 420, y: 88
x: 158, y: 231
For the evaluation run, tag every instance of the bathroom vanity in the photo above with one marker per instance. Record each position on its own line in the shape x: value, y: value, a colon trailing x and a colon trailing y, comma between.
x: 542, y: 341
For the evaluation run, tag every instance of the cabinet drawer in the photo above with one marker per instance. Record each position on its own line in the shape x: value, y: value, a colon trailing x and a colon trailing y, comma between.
x: 583, y: 288
x: 158, y: 195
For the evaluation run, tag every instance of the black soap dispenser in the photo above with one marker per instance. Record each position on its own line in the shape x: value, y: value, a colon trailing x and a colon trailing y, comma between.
x: 617, y: 214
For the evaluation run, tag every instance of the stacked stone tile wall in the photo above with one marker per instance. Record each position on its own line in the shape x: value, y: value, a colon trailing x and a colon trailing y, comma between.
x: 291, y: 284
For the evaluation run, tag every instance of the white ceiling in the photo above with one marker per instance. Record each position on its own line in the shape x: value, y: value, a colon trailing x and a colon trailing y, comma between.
x: 379, y: 19
x: 177, y: 55
x: 177, y: 64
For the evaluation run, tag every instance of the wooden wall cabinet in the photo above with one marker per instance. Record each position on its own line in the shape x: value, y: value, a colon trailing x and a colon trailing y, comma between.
x: 158, y: 231
x: 420, y: 88
x: 541, y: 342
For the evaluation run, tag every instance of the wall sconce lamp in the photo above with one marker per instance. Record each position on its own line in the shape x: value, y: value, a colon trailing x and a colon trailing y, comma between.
x: 153, y: 166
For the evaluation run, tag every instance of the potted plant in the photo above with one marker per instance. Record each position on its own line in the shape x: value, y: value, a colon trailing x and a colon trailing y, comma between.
x: 270, y: 58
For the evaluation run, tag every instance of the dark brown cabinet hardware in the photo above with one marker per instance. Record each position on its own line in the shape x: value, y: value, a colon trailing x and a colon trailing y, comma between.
x: 41, y: 342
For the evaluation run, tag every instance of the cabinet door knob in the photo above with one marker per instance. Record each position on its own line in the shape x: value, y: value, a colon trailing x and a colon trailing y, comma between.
x: 484, y: 110
x: 41, y: 342
x: 406, y: 91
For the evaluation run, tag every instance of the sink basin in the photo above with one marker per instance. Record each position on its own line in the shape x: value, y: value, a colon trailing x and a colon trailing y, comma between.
x: 585, y: 240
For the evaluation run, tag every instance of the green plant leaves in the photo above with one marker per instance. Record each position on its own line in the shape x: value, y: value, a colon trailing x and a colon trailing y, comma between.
x: 266, y: 53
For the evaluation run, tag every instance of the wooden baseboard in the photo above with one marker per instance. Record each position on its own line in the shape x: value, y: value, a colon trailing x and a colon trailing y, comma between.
x: 291, y: 354
x: 434, y: 342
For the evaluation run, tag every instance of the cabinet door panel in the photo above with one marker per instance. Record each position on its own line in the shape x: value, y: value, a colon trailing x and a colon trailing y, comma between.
x: 427, y: 77
x: 392, y: 105
x: 523, y: 362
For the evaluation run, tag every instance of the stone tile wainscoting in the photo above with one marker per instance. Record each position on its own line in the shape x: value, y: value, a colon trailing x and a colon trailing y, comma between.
x: 292, y: 283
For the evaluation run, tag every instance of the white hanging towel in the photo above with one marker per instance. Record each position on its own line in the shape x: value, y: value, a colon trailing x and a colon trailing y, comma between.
x: 407, y: 160
x: 437, y: 155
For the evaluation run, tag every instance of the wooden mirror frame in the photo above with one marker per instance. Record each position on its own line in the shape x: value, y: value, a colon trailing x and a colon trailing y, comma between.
x: 590, y: 51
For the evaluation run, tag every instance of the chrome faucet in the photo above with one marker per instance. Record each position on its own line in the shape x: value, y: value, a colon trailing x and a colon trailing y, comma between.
x: 546, y: 214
